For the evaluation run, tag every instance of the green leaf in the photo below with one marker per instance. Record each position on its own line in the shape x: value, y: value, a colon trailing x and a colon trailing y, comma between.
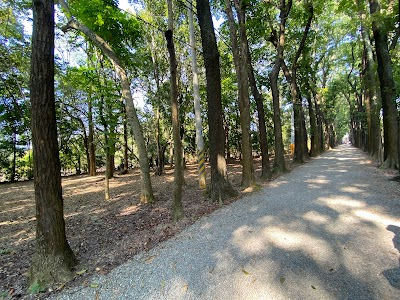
x: 5, y: 251
x: 245, y: 272
x: 282, y: 280
x: 94, y: 285
x: 36, y: 288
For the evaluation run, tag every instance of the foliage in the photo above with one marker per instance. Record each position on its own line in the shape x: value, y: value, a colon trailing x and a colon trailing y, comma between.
x: 14, y: 105
x: 121, y: 30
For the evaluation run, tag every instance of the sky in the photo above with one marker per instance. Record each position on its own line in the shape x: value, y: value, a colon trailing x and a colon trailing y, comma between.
x: 124, y: 4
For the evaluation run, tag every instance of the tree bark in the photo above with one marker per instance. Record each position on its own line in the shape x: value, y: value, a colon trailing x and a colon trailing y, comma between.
x: 126, y: 157
x: 146, y: 195
x: 107, y: 172
x: 373, y: 97
x: 313, y: 121
x: 240, y: 59
x: 300, y: 138
x: 92, y: 148
x: 262, y: 128
x: 14, y: 161
x: 53, y: 257
x: 388, y: 92
x: 177, y: 210
x: 197, y: 107
x: 220, y: 187
x: 279, y: 42
x: 160, y: 148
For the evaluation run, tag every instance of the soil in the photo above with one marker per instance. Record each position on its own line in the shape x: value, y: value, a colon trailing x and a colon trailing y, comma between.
x: 103, y: 234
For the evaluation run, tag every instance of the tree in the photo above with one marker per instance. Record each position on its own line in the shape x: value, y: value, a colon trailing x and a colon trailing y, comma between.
x: 197, y: 106
x: 178, y: 168
x: 146, y: 188
x: 257, y: 95
x: 371, y: 89
x: 279, y: 40
x: 385, y: 73
x: 220, y: 188
x: 53, y: 258
x: 300, y: 139
x: 240, y: 58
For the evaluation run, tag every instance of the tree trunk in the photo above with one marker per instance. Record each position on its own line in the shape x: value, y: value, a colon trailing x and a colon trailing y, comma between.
x: 300, y: 136
x: 160, y: 148
x: 248, y: 172
x: 86, y: 146
x: 126, y: 157
x: 390, y: 130
x: 146, y: 195
x: 320, y: 125
x: 279, y: 160
x: 220, y: 187
x: 197, y: 107
x: 227, y: 146
x: 265, y: 168
x: 111, y: 154
x: 177, y: 210
x: 107, y: 174
x: 14, y: 161
x: 53, y: 258
x: 240, y: 60
x: 92, y: 149
x: 313, y: 122
x: 300, y: 139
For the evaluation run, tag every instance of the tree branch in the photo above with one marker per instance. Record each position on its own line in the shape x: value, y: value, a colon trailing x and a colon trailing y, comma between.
x: 305, y: 34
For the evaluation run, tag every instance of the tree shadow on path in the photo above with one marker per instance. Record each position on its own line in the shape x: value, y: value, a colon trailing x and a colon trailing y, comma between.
x: 393, y: 275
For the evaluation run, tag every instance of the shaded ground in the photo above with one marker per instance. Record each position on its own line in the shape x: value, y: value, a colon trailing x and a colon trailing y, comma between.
x: 103, y: 234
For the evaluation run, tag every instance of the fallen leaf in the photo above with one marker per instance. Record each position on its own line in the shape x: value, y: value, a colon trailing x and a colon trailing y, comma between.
x: 185, y: 287
x: 245, y: 272
x: 282, y: 280
x: 94, y: 285
x: 81, y: 272
x: 314, y: 288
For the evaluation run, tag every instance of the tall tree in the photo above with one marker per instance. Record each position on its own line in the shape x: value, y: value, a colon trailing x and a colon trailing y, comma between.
x: 257, y: 95
x: 177, y: 211
x: 53, y: 258
x: 220, y: 188
x: 197, y: 107
x: 146, y: 195
x: 371, y: 94
x: 300, y: 139
x: 279, y: 41
x: 262, y: 128
x: 388, y: 91
x: 240, y: 59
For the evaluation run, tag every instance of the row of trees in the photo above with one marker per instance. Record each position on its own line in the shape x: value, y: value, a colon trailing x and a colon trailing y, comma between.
x: 328, y: 53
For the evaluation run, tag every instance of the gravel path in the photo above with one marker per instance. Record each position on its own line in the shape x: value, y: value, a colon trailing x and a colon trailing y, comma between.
x: 328, y: 230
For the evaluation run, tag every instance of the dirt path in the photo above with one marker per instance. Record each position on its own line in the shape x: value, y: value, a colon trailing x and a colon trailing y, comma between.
x: 328, y: 230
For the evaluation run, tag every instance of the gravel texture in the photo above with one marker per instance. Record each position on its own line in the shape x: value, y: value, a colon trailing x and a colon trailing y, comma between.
x: 330, y: 229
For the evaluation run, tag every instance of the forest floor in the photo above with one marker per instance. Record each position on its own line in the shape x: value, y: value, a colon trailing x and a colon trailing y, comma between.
x: 103, y: 234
